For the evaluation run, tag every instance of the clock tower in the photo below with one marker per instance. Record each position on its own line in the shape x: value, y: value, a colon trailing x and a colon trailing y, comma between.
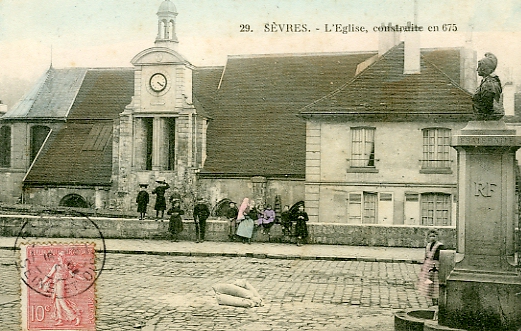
x: 160, y: 132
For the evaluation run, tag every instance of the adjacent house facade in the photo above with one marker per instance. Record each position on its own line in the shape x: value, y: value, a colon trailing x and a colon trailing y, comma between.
x: 378, y: 149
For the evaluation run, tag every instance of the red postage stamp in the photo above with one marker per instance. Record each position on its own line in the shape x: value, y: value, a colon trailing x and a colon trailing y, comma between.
x: 58, y: 290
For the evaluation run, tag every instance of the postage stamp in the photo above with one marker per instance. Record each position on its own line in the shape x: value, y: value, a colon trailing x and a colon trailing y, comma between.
x: 58, y: 286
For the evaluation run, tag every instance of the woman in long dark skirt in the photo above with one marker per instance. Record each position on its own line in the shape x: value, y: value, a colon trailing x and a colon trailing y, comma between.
x: 175, y: 226
x: 159, y: 191
x: 301, y: 229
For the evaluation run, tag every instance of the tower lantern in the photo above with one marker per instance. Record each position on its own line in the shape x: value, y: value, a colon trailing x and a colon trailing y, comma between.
x: 166, y: 34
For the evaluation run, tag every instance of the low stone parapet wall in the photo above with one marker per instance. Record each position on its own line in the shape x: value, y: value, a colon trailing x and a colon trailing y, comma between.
x: 217, y: 230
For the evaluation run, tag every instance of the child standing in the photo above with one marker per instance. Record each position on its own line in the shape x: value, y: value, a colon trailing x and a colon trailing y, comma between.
x: 428, y: 282
x: 142, y: 201
x: 175, y: 226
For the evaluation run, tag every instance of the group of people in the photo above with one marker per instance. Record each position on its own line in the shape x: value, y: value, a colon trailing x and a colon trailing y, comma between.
x: 143, y: 198
x: 244, y: 219
x: 175, y: 226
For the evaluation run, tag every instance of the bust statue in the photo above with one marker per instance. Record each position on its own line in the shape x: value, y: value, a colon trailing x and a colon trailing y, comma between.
x: 488, y: 99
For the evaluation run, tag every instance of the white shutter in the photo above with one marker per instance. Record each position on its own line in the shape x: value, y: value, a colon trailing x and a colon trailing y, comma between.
x: 385, y: 208
x: 354, y: 208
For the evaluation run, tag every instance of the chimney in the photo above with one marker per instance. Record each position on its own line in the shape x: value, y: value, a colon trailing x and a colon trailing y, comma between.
x: 517, y: 102
x: 411, y: 59
x: 3, y: 109
x: 411, y: 53
x: 387, y: 39
x: 468, y: 65
x: 509, y: 91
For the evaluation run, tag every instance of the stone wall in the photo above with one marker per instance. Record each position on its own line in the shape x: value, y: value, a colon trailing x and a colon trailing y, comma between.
x: 214, y: 190
x: 217, y: 230
x: 95, y: 197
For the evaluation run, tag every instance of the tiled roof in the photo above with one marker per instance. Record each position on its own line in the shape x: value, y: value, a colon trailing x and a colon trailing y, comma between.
x: 254, y: 128
x: 205, y: 82
x: 448, y: 60
x: 66, y: 162
x: 51, y: 97
x: 81, y: 153
x: 384, y: 88
x: 103, y: 94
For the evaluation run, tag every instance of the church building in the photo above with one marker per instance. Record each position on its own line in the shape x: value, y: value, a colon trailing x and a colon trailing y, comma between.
x: 87, y: 137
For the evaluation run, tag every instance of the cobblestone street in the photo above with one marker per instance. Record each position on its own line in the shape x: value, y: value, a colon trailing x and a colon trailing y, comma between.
x: 175, y: 293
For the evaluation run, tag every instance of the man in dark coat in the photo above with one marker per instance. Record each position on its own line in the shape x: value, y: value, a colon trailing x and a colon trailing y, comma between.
x: 142, y: 200
x: 201, y: 214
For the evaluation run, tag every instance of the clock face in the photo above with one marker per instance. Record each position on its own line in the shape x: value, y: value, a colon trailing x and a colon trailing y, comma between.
x: 158, y: 82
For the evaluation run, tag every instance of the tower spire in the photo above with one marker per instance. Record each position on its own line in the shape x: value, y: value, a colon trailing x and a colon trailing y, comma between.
x: 166, y: 34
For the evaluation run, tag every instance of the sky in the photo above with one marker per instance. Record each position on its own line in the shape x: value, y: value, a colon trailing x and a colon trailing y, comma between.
x: 108, y: 33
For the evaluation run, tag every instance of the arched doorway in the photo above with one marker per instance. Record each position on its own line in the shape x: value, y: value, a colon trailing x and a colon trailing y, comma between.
x: 74, y: 200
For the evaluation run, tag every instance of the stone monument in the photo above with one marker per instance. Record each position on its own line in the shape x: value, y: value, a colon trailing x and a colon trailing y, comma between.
x: 482, y: 292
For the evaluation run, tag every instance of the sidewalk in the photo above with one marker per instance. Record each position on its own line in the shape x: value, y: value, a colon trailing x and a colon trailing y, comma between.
x: 237, y: 249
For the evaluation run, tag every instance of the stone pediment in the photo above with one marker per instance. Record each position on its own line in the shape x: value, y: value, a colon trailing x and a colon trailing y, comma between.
x: 158, y: 55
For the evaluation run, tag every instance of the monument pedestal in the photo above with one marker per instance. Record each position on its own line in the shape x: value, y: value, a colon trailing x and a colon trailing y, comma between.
x: 481, y: 291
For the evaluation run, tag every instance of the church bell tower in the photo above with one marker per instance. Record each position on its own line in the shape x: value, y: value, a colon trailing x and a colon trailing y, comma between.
x: 166, y: 34
x: 160, y: 131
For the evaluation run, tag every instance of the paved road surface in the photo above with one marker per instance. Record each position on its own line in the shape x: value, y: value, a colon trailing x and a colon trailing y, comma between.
x: 164, y: 292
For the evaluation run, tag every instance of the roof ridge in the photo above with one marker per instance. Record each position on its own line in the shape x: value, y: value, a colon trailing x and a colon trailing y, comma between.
x: 456, y: 84
x: 272, y: 55
x: 343, y: 86
x: 73, y: 99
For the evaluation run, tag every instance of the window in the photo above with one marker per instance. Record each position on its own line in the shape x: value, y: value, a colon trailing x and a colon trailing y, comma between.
x: 370, y: 203
x: 362, y: 208
x: 171, y: 143
x: 38, y: 135
x: 149, y: 137
x: 5, y: 146
x: 362, y: 147
x: 435, y: 209
x: 436, y: 148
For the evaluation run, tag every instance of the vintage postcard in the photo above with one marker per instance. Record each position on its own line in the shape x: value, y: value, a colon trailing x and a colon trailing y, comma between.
x: 309, y: 156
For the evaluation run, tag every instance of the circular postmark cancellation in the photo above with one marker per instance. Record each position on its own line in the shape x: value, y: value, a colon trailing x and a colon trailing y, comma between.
x: 78, y: 253
x: 58, y: 276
